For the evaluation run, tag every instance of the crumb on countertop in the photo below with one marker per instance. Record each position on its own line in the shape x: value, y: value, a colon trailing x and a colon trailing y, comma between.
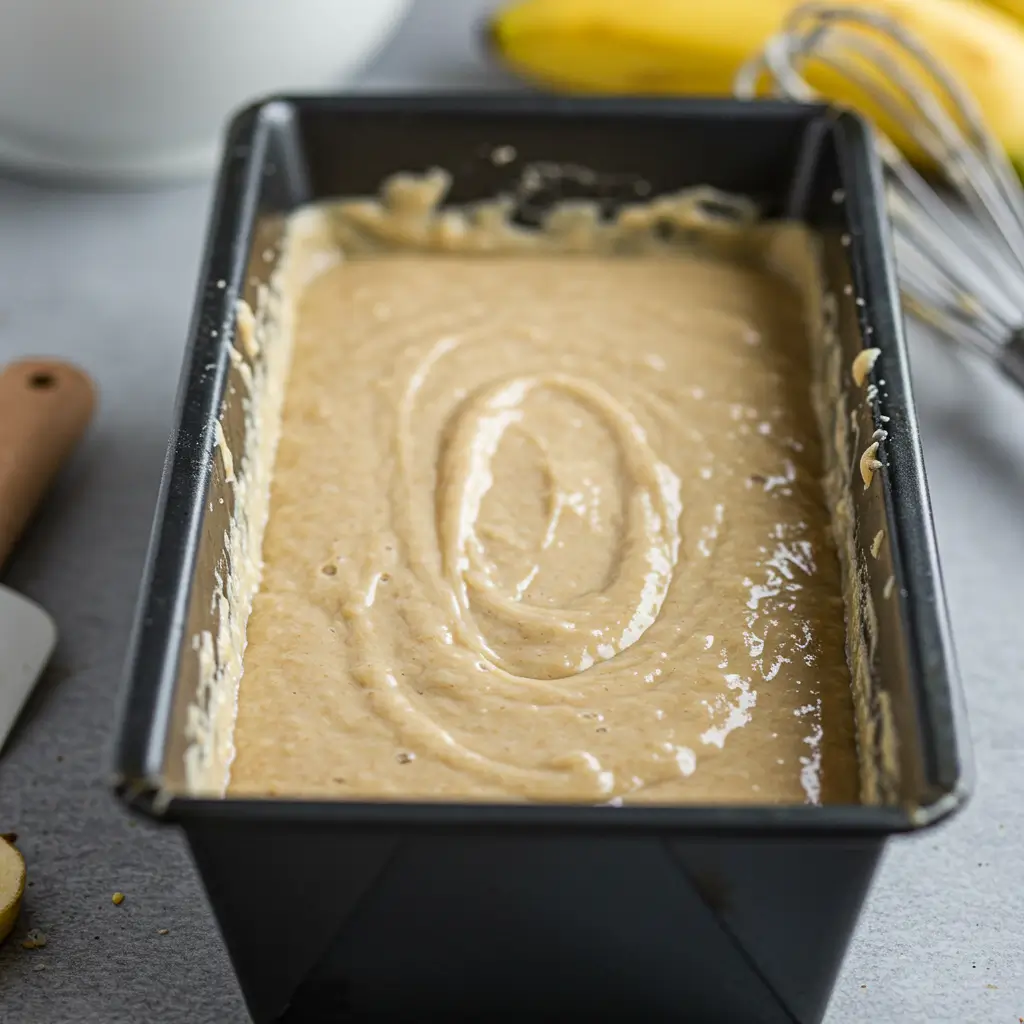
x: 34, y: 940
x: 117, y: 899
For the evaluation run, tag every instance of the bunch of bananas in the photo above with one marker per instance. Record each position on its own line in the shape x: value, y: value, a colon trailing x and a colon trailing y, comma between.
x: 693, y: 47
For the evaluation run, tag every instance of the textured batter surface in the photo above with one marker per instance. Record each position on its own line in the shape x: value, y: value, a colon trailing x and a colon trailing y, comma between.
x: 548, y: 527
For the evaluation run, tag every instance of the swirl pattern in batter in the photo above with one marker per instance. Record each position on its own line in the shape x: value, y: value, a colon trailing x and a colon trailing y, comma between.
x: 548, y: 528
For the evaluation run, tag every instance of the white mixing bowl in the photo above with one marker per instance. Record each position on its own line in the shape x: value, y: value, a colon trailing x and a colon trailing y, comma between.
x: 141, y: 89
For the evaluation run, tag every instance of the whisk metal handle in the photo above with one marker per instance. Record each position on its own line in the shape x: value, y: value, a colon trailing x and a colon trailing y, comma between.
x: 1011, y: 359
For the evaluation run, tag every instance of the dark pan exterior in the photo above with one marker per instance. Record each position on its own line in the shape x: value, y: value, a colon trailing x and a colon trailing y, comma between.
x: 339, y: 911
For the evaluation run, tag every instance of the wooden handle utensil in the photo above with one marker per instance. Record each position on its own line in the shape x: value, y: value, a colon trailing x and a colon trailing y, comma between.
x: 45, y: 406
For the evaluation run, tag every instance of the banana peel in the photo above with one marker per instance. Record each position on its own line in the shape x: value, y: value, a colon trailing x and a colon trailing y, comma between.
x: 691, y: 47
x: 12, y: 886
x: 1015, y: 8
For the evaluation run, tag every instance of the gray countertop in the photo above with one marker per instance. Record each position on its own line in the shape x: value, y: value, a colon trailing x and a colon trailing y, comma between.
x: 106, y: 279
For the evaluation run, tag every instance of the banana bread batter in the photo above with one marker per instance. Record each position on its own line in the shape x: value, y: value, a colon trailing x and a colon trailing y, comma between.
x: 550, y: 528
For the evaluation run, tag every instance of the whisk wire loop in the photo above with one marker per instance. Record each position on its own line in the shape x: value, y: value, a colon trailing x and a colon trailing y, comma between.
x: 967, y: 285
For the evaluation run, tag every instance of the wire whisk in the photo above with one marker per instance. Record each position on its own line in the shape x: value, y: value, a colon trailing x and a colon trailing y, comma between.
x: 964, y: 280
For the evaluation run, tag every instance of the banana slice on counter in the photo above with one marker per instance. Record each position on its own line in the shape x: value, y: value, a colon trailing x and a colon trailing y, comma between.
x: 12, y: 886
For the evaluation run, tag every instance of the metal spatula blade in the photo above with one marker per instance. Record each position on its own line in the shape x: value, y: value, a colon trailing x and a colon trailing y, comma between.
x: 27, y: 638
x: 45, y: 407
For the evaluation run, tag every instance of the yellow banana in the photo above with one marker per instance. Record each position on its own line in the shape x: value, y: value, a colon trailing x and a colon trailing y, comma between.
x: 696, y: 47
x: 1012, y: 7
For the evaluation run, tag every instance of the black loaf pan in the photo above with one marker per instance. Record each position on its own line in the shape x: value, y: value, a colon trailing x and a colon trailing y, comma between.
x: 338, y: 911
